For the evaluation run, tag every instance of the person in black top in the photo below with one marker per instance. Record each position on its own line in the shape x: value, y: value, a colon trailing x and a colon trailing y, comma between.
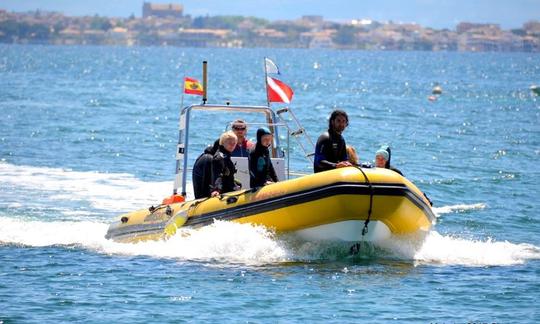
x: 383, y: 157
x: 330, y: 151
x: 202, y: 172
x: 261, y: 170
x: 223, y: 169
x: 382, y: 160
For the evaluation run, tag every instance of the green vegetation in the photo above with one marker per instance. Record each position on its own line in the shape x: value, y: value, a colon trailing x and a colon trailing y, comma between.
x: 225, y: 22
x: 100, y: 23
x: 11, y: 29
x: 345, y: 35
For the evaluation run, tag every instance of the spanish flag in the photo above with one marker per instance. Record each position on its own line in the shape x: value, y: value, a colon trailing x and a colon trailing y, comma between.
x: 193, y: 87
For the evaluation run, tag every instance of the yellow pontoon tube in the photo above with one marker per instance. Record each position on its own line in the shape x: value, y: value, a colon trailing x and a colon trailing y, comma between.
x: 333, y: 205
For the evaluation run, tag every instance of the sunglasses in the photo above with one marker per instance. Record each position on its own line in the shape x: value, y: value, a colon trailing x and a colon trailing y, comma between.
x: 238, y: 128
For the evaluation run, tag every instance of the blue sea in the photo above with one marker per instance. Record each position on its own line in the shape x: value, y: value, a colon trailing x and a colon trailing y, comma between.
x: 88, y: 133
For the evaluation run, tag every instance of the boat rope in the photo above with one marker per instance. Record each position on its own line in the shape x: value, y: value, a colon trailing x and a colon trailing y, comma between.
x: 365, y: 229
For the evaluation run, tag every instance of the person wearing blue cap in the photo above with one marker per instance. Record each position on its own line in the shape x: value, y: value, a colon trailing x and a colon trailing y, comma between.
x: 382, y: 159
x: 261, y: 170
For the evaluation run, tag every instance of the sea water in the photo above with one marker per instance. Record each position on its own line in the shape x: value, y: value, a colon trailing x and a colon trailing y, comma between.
x: 88, y: 133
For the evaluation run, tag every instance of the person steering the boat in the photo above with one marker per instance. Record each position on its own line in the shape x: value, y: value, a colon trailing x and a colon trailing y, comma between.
x: 330, y: 151
x: 382, y: 159
x: 223, y: 169
x: 261, y: 170
x: 243, y: 146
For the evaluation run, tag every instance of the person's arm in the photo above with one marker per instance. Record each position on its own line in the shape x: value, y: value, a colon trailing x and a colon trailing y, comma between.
x: 343, y: 161
x: 252, y: 163
x: 271, y: 172
x: 218, y: 165
x: 321, y: 149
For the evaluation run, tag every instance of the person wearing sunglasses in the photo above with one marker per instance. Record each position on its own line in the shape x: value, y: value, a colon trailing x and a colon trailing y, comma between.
x: 244, y: 146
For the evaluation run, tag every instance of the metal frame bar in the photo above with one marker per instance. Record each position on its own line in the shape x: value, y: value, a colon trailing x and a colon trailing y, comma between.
x: 270, y: 115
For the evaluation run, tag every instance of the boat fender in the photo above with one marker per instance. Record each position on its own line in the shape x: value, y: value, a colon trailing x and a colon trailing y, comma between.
x: 124, y: 219
x: 173, y: 199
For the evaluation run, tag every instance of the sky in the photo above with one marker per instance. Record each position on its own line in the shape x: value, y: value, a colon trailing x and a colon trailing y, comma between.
x: 429, y: 13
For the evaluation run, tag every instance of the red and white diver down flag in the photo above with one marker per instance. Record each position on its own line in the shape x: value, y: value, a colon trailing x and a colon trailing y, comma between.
x: 278, y: 91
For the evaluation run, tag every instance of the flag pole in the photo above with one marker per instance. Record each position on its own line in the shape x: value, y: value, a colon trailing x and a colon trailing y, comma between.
x: 183, y: 91
x: 175, y: 188
x: 205, y: 80
x: 266, y: 83
x: 273, y: 128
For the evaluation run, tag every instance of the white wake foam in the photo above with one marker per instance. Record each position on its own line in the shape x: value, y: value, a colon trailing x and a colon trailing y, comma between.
x: 457, y: 208
x: 452, y: 250
x: 228, y: 242
x: 223, y: 241
x: 105, y: 191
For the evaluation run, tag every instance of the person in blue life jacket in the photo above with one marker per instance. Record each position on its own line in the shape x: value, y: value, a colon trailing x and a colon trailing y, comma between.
x: 261, y: 170
x: 223, y: 168
x: 202, y: 172
x: 330, y: 150
x: 243, y: 146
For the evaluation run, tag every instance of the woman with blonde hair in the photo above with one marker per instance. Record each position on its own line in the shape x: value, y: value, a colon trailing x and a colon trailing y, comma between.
x: 352, y: 156
x: 223, y: 169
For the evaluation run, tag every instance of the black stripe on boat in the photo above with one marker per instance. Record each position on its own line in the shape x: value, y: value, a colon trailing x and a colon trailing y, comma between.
x: 261, y: 206
x: 335, y: 189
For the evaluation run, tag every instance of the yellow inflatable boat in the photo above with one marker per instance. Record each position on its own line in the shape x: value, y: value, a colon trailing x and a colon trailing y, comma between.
x: 348, y: 204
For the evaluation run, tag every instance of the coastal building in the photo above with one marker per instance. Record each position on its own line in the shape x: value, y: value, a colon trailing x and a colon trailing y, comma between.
x: 161, y: 10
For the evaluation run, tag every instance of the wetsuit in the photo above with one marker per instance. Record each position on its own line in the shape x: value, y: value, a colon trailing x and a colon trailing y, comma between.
x: 261, y: 169
x: 329, y: 151
x: 202, y: 172
x: 223, y: 171
x: 388, y: 165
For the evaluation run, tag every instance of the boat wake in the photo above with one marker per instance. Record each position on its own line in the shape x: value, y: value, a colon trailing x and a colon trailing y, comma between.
x: 226, y: 242
x: 74, y: 194
x: 461, y: 208
x: 74, y: 210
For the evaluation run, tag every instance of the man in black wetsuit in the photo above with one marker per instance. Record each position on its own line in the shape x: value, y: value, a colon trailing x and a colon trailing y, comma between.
x: 331, y: 151
x: 202, y: 172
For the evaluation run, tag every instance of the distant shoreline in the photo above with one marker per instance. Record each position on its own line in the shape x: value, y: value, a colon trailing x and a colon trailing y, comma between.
x: 309, y: 32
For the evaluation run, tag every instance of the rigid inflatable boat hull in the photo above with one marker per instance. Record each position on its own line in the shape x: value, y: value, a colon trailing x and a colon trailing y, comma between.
x: 330, y: 205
